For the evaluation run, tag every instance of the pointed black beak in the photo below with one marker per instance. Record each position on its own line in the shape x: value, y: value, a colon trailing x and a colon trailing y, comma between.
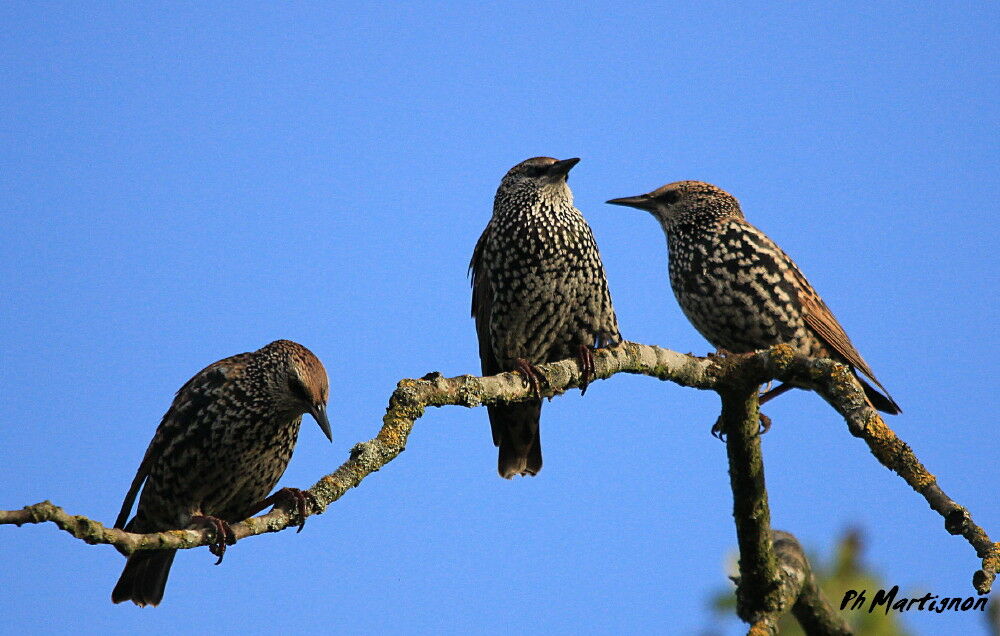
x: 643, y: 202
x: 318, y: 411
x: 561, y: 168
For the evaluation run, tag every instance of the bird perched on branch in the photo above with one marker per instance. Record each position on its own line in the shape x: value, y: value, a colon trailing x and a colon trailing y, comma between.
x: 218, y: 452
x: 738, y: 289
x: 539, y: 294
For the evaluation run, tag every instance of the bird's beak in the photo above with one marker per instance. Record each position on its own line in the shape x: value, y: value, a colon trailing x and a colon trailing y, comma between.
x: 561, y: 168
x: 318, y: 411
x: 643, y: 202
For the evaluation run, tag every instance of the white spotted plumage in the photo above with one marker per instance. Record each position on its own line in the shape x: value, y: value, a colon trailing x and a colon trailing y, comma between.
x: 539, y: 293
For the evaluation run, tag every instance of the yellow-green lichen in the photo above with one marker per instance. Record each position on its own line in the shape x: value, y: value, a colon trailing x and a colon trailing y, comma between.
x: 782, y: 356
x: 391, y: 436
x: 470, y: 394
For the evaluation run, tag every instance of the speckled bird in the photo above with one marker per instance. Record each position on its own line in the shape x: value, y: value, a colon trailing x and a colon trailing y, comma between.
x: 539, y: 295
x: 739, y: 289
x: 218, y: 452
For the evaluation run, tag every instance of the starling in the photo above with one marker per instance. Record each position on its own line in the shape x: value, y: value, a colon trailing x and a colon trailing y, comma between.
x: 220, y: 448
x: 539, y: 295
x: 739, y: 289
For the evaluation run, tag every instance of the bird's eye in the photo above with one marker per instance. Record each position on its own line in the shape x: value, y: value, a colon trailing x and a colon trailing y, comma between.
x: 298, y: 389
x: 670, y: 197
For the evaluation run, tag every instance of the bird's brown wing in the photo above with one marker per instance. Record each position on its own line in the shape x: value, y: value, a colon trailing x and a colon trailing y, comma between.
x: 821, y: 320
x: 133, y: 490
x: 482, y: 307
x: 514, y: 426
x: 190, y: 399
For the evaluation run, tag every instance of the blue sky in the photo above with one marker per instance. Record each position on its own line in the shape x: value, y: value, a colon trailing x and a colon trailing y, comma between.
x: 181, y: 183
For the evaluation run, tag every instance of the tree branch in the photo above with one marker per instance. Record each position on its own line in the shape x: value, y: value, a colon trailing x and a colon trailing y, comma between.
x: 833, y: 381
x: 798, y: 585
x: 774, y: 573
x: 797, y: 588
x: 758, y: 595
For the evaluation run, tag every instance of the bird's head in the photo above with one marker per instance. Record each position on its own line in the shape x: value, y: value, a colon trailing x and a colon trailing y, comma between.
x: 536, y: 176
x: 685, y: 202
x: 301, y: 384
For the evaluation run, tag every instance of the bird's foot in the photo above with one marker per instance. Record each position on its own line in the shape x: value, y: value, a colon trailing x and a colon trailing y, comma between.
x: 223, y: 534
x: 530, y: 373
x: 719, y: 353
x: 290, y: 496
x: 717, y: 430
x: 585, y: 356
x: 765, y: 424
x: 719, y: 434
x: 606, y: 339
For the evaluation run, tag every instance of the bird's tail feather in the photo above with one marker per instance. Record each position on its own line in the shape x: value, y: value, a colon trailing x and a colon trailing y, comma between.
x: 883, y: 403
x: 515, y: 431
x: 144, y: 577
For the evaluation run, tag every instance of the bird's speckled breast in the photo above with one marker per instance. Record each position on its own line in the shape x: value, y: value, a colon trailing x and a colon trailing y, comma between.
x: 737, y: 287
x: 549, y: 289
